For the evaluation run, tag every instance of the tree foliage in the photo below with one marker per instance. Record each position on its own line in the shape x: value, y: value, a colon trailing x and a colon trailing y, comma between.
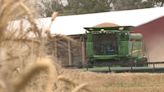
x: 88, y: 6
x: 131, y: 4
x: 71, y: 7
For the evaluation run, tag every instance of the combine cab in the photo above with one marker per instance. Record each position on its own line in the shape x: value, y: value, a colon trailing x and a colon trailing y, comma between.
x: 114, y: 46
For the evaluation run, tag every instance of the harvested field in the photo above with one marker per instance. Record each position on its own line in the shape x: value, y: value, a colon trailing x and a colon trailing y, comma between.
x: 121, y: 82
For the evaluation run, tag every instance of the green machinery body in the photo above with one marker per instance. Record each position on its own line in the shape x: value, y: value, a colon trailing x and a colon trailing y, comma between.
x: 114, y: 45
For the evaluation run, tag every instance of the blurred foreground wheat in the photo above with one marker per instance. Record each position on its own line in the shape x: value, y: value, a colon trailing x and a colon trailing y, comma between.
x: 24, y: 64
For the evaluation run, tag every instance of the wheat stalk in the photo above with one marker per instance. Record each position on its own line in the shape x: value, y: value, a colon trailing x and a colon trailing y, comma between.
x: 41, y: 65
x: 81, y: 86
x: 77, y: 88
x: 2, y: 86
x: 31, y: 20
x: 11, y: 38
x: 62, y: 78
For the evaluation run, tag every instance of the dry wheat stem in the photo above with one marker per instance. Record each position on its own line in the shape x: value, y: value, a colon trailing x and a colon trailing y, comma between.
x: 59, y: 36
x: 81, y: 86
x: 53, y: 17
x: 2, y: 86
x: 41, y: 65
x: 62, y: 78
x: 76, y: 89
x: 31, y: 20
x: 22, y: 40
x: 8, y: 10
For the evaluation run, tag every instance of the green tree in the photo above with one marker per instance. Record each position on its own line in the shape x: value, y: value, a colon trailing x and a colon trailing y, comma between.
x: 88, y: 6
x: 72, y: 7
x: 46, y: 7
x: 136, y: 4
x: 131, y: 4
x: 159, y: 3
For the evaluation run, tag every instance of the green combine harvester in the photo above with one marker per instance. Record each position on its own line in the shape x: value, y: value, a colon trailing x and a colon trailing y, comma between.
x: 114, y: 46
x: 115, y: 49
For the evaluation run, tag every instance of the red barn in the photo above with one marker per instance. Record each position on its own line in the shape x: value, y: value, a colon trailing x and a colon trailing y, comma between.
x: 153, y: 33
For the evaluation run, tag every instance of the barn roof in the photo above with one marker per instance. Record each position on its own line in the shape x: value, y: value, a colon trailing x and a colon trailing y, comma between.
x: 74, y: 24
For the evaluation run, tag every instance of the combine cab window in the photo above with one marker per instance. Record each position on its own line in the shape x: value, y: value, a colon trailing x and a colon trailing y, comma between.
x: 105, y: 44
